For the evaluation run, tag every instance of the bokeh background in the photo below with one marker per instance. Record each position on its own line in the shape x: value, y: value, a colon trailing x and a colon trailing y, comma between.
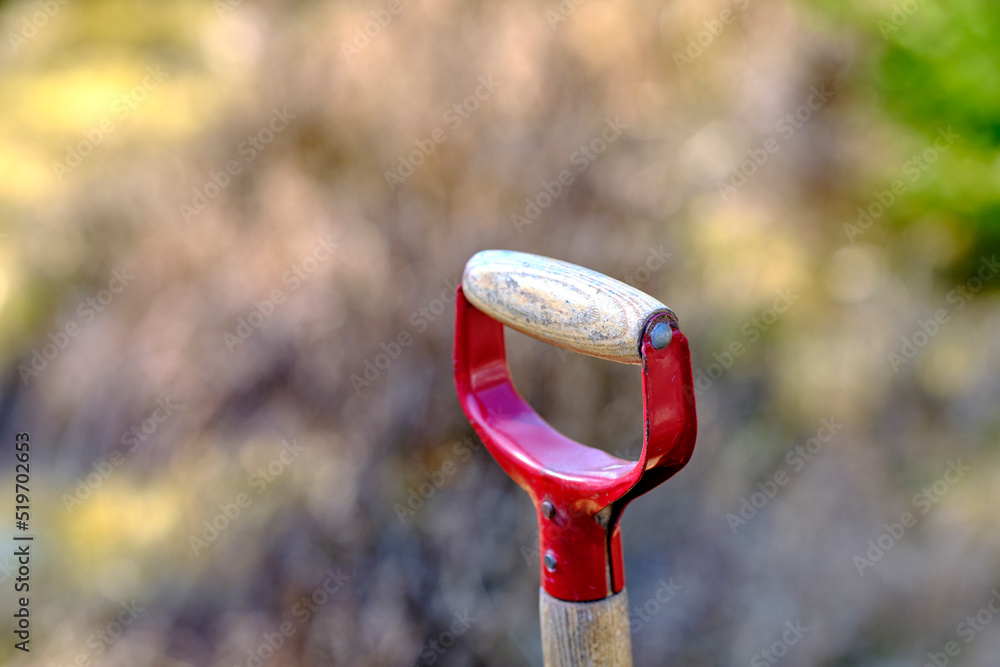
x: 170, y: 328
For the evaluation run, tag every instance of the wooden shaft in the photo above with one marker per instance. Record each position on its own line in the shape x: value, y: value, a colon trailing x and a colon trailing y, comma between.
x: 561, y: 303
x: 586, y: 634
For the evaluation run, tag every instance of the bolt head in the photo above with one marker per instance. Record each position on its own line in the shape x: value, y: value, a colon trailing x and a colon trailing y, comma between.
x: 661, y: 335
x: 550, y: 560
x: 548, y: 509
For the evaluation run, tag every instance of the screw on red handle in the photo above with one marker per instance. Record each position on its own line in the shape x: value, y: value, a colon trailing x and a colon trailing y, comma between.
x: 579, y: 492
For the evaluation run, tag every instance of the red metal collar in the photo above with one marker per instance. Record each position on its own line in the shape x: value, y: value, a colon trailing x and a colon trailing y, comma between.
x: 579, y: 492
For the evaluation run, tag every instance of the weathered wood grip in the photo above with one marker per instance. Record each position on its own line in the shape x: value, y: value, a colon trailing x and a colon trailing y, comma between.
x: 561, y: 303
x: 591, y: 634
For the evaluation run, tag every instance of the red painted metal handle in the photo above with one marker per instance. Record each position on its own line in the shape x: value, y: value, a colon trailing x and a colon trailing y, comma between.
x: 579, y: 492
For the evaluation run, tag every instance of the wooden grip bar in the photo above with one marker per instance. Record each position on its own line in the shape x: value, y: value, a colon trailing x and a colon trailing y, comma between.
x: 561, y: 303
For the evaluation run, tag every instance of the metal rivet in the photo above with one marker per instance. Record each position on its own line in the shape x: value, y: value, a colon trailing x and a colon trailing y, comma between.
x: 550, y: 560
x: 661, y: 335
x: 548, y: 509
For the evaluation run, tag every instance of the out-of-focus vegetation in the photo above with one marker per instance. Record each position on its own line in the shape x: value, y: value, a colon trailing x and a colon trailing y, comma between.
x: 934, y: 66
x: 209, y: 323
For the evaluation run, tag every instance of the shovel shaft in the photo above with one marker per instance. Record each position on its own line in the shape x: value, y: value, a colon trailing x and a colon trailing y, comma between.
x: 578, y: 634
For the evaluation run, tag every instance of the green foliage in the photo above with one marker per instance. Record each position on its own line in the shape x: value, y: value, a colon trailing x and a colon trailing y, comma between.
x: 938, y: 66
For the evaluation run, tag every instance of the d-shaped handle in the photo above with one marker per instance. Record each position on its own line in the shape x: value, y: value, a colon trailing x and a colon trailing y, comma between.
x: 561, y: 303
x: 578, y: 491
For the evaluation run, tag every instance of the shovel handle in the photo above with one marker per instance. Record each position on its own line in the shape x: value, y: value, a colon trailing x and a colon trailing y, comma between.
x: 586, y: 633
x: 561, y: 303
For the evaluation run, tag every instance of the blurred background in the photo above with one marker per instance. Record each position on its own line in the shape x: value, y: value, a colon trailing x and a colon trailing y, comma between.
x: 231, y: 232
